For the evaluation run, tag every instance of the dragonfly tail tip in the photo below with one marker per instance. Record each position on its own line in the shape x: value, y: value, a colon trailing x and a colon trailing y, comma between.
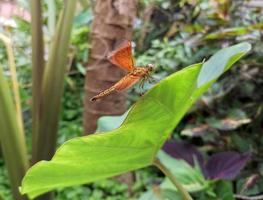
x: 93, y: 99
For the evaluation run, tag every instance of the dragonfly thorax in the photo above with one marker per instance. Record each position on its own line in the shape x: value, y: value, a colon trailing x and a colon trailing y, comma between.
x: 142, y: 71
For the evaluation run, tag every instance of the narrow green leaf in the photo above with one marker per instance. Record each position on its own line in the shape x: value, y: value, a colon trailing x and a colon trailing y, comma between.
x: 216, y: 65
x: 12, y: 139
x: 132, y: 146
x: 229, y: 32
x: 15, y: 84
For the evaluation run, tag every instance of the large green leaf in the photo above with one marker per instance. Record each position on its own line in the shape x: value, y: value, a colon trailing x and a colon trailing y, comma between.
x: 131, y: 146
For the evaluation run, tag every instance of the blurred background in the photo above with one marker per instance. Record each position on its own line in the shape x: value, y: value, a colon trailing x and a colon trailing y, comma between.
x: 171, y: 34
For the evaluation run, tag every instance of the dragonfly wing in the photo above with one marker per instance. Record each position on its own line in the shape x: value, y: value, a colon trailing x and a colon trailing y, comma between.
x: 122, y: 56
x: 126, y: 82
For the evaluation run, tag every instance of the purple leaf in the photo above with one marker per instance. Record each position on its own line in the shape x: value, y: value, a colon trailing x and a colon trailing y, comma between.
x: 225, y: 165
x: 183, y: 150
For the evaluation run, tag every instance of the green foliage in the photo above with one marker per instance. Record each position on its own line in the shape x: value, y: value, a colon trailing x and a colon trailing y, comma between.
x: 125, y: 148
x: 166, y: 55
x: 193, y: 181
x: 191, y: 178
x: 46, y: 129
x: 11, y: 138
x: 224, y: 190
x: 4, y: 184
x: 203, y: 26
x: 105, y: 189
x: 178, y: 34
x: 160, y: 194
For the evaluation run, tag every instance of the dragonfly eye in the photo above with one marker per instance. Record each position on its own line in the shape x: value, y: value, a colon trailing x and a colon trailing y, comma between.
x: 150, y: 67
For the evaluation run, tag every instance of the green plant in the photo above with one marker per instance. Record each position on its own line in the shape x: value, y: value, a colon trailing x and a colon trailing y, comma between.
x: 135, y: 143
x: 46, y: 101
x: 46, y: 131
x: 12, y: 139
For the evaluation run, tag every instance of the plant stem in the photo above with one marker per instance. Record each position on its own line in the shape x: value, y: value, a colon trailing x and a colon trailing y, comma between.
x: 52, y: 84
x: 184, y: 193
x: 37, y: 69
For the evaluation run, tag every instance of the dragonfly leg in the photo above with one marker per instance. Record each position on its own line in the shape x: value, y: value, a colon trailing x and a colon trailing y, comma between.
x: 152, y: 80
x: 141, y: 86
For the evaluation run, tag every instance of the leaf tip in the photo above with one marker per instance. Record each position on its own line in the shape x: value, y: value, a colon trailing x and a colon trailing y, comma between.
x: 221, y: 61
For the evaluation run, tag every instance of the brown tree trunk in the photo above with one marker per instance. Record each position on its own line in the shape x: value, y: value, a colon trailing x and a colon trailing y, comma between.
x: 113, y: 20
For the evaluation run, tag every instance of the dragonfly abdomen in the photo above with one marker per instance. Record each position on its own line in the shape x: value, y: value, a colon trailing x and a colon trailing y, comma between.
x: 104, y: 93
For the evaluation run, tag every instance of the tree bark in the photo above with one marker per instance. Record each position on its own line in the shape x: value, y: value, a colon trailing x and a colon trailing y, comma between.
x: 113, y: 20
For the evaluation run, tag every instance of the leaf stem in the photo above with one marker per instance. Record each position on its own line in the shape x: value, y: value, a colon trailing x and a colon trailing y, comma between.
x: 52, y: 84
x: 38, y: 65
x: 184, y: 193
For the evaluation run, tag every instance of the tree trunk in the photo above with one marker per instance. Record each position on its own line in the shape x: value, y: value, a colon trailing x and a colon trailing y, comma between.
x: 113, y: 20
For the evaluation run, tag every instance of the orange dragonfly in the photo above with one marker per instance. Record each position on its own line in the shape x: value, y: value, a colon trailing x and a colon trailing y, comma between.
x: 122, y: 57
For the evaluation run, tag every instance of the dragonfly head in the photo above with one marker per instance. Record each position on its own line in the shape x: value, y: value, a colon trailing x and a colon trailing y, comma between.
x: 150, y: 67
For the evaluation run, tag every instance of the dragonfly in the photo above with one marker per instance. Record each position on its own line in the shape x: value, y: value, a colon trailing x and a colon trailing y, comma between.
x: 123, y: 58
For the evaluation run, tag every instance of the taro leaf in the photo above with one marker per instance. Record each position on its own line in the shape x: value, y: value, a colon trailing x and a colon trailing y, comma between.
x: 190, y: 177
x: 183, y: 150
x: 223, y: 57
x: 157, y: 193
x: 132, y: 146
x: 108, y: 123
x: 225, y: 165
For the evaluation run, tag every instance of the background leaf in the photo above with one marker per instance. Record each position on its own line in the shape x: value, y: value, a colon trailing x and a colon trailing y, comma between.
x: 225, y: 165
x: 157, y: 193
x: 224, y: 189
x: 191, y: 178
x: 183, y: 150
